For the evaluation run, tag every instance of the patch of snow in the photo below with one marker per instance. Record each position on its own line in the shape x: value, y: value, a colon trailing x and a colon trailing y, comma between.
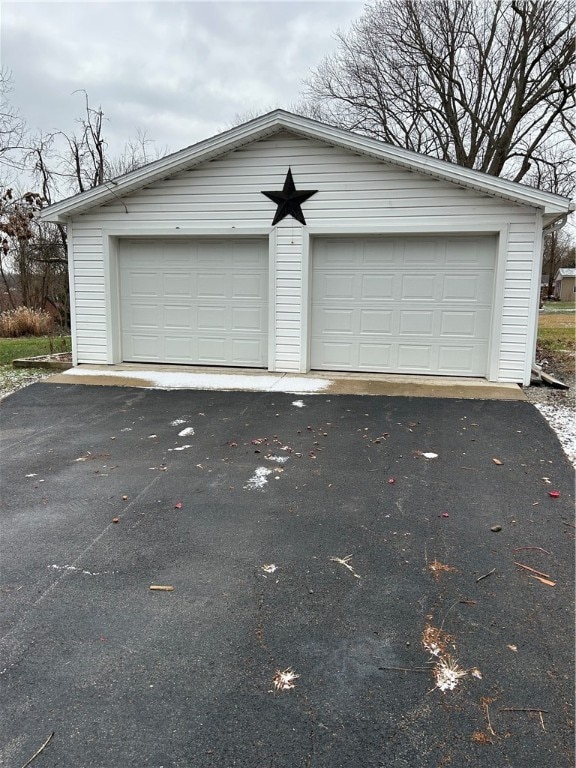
x: 177, y: 422
x: 216, y: 381
x: 429, y: 455
x: 258, y: 479
x: 277, y: 459
x: 180, y: 448
x: 33, y: 474
x: 126, y: 429
x: 299, y: 403
x: 561, y: 419
x: 186, y: 432
x: 79, y: 570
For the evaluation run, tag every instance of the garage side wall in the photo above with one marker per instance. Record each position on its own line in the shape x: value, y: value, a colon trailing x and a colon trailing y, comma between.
x: 356, y: 195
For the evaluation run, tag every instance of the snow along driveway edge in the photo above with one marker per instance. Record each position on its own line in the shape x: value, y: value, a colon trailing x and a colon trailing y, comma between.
x: 177, y: 380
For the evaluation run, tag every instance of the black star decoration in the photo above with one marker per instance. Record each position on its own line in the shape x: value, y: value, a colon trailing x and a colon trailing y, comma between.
x: 289, y: 200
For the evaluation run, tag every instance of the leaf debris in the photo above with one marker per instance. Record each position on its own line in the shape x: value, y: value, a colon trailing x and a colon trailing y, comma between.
x: 283, y: 680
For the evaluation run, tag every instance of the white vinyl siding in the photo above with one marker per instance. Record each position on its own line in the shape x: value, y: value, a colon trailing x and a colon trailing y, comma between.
x: 356, y: 193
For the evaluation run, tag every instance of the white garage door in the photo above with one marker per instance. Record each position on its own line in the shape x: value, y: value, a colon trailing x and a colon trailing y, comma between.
x: 402, y: 304
x: 194, y: 301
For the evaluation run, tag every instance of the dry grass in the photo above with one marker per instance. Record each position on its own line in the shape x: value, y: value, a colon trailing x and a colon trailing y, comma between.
x: 436, y: 641
x: 24, y: 321
x: 437, y: 568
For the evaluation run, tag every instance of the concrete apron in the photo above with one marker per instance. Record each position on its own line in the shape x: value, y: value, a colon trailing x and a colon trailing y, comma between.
x: 336, y: 383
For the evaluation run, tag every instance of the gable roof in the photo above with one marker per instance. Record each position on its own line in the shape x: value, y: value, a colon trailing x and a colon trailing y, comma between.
x: 553, y: 206
x: 565, y: 272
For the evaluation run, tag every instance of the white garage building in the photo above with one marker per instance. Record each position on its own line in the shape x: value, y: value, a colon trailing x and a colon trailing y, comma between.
x: 379, y: 259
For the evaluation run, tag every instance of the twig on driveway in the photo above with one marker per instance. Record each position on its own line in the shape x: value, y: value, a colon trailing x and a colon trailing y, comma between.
x: 537, y: 548
x: 485, y: 575
x: 408, y: 669
x: 35, y: 755
x: 345, y: 561
x: 485, y: 703
x: 533, y: 570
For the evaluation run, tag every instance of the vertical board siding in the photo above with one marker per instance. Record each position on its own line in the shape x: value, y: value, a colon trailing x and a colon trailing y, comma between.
x: 354, y: 191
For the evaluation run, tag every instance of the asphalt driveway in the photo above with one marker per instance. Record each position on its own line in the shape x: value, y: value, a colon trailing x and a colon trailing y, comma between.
x: 210, y: 487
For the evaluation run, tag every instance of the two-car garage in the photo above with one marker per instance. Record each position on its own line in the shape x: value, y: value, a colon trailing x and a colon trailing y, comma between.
x: 292, y: 245
x: 394, y: 304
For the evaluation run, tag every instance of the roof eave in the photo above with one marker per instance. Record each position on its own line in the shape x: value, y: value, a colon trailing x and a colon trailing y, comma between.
x: 260, y: 127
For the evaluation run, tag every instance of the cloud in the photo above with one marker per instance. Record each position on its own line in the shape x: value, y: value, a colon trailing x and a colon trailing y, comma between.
x: 180, y: 70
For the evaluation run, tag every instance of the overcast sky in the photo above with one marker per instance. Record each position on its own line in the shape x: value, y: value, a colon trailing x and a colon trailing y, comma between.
x: 181, y: 71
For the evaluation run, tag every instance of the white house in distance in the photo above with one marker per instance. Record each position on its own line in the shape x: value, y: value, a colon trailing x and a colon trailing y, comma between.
x: 290, y: 245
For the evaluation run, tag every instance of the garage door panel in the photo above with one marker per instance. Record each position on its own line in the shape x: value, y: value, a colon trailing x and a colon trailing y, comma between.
x: 377, y: 286
x: 413, y: 254
x: 145, y: 315
x: 141, y: 342
x: 143, y: 284
x: 458, y: 323
x: 415, y: 322
x: 176, y: 347
x: 206, y: 301
x: 379, y: 253
x: 376, y: 321
x: 176, y: 317
x: 335, y: 354
x: 178, y: 285
x: 337, y: 320
x: 412, y: 357
x: 247, y: 286
x: 248, y: 318
x: 247, y: 351
x: 370, y: 355
x: 212, y: 285
x: 459, y: 358
x: 469, y: 251
x: 460, y: 288
x: 462, y: 323
x: 412, y: 305
x: 418, y: 287
x: 213, y: 349
x: 212, y: 318
x: 337, y: 286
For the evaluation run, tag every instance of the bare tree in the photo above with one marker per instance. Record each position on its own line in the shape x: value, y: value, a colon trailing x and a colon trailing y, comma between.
x: 553, y: 170
x: 482, y: 84
x: 136, y: 153
x: 33, y: 263
x: 12, y: 128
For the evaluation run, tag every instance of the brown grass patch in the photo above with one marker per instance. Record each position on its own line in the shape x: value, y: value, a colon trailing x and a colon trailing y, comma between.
x: 24, y: 321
